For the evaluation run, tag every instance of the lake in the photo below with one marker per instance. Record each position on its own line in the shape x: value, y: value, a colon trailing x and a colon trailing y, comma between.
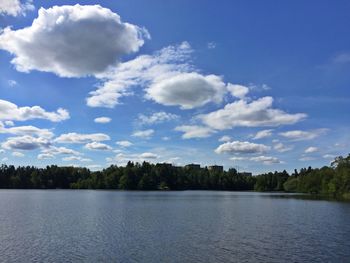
x: 188, y: 226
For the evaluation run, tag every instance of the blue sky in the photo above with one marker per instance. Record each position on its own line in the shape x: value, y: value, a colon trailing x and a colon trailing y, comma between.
x: 256, y: 85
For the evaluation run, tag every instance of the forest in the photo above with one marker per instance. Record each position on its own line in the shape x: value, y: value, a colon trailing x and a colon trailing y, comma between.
x: 331, y: 180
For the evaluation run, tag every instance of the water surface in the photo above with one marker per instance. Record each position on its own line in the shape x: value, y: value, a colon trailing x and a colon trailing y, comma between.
x: 189, y: 226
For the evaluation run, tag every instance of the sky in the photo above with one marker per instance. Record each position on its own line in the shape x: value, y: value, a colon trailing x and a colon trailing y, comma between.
x: 255, y: 85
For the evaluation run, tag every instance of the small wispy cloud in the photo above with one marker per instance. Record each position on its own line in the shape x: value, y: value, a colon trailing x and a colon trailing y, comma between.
x: 146, y: 134
x: 299, y: 135
x: 311, y: 149
x: 102, y: 120
x: 12, y: 83
x: 211, y: 45
x: 157, y: 117
x: 124, y: 143
x: 341, y: 58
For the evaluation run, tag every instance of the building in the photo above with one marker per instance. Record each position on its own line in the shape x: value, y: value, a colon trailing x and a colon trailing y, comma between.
x: 193, y: 166
x: 216, y: 168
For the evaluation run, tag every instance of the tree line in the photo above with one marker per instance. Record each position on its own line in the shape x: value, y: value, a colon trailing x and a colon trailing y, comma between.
x: 133, y: 176
x: 329, y: 180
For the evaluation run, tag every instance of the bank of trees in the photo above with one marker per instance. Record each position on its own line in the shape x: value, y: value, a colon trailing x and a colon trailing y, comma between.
x: 333, y: 180
x: 133, y: 176
x: 271, y: 181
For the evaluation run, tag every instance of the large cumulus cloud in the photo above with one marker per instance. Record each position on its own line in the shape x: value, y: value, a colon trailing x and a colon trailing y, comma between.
x: 257, y: 113
x: 25, y: 142
x: 10, y: 111
x: 72, y: 41
x: 74, y: 137
x: 241, y: 148
x: 187, y: 90
x: 26, y: 130
x: 140, y: 71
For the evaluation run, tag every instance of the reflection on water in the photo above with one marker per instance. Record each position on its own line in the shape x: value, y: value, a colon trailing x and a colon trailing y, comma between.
x: 307, y: 197
x: 189, y: 226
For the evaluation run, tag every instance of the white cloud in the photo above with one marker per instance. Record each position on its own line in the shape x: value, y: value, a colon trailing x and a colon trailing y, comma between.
x: 148, y: 155
x: 17, y: 154
x: 12, y: 83
x: 157, y: 117
x: 146, y: 134
x: 5, y: 159
x: 73, y: 165
x: 262, y: 159
x: 238, y: 91
x: 141, y: 71
x: 44, y: 156
x: 53, y: 150
x: 311, y: 149
x: 122, y: 158
x: 262, y: 134
x: 81, y: 138
x: 15, y: 7
x: 342, y: 58
x: 254, y: 114
x: 307, y: 158
x: 194, y: 131
x: 238, y: 158
x: 102, y: 120
x: 72, y: 41
x: 329, y: 156
x: 9, y: 123
x: 211, y: 45
x: 298, y: 135
x: 265, y: 159
x: 280, y: 147
x: 10, y: 111
x: 241, y: 147
x: 98, y: 146
x: 25, y: 142
x: 225, y: 138
x: 76, y: 158
x: 259, y: 88
x: 124, y: 143
x: 187, y: 90
x: 27, y: 130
